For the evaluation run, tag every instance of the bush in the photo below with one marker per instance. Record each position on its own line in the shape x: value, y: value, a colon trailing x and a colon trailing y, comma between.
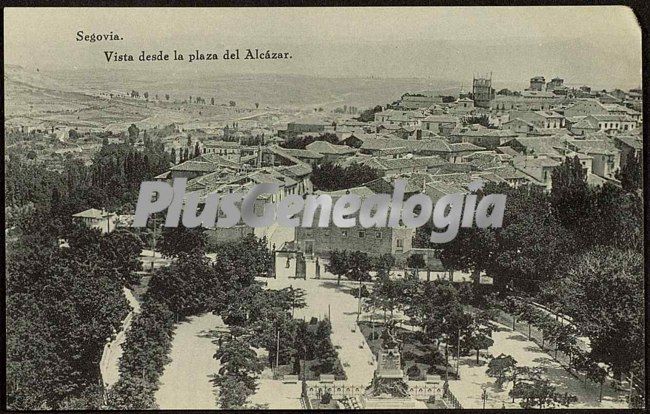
x: 414, y: 372
x: 326, y: 398
x: 364, y: 292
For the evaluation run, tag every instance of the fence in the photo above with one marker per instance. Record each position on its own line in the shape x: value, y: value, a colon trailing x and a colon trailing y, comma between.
x: 450, y: 399
x: 536, y: 335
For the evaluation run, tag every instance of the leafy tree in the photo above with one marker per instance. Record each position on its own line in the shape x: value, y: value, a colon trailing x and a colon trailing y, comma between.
x: 383, y: 264
x: 478, y: 335
x: 502, y: 368
x: 539, y: 393
x: 369, y: 114
x: 239, y: 361
x: 189, y: 286
x: 302, y: 142
x: 56, y: 327
x: 338, y: 264
x: 134, y: 132
x: 359, y: 265
x: 603, y: 293
x: 233, y: 393
x: 631, y: 174
x: 416, y: 261
x: 330, y: 177
x: 177, y: 240
x: 570, y: 196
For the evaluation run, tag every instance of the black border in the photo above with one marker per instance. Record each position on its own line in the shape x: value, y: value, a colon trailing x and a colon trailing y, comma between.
x: 640, y: 8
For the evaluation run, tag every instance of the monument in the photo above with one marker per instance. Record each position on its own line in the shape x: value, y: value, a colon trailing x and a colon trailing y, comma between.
x: 389, y: 388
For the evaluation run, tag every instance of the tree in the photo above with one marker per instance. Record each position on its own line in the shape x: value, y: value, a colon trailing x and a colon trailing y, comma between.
x: 415, y: 261
x: 539, y: 393
x: 478, y: 334
x: 338, y: 264
x: 570, y: 197
x: 257, y: 105
x: 388, y: 295
x: 383, y: 264
x: 212, y: 101
x: 369, y: 114
x: 330, y: 177
x: 502, y: 368
x: 239, y: 360
x: 120, y: 250
x: 51, y: 363
x: 197, y: 149
x: 238, y: 373
x: 631, y: 174
x: 180, y: 239
x: 167, y: 96
x: 359, y: 265
x: 134, y: 132
x: 603, y: 293
x: 327, y: 356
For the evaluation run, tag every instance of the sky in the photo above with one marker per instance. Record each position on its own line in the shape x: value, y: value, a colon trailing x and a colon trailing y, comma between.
x: 584, y: 45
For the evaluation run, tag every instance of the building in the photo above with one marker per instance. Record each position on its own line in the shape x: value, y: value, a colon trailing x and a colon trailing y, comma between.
x: 439, y: 124
x: 612, y: 124
x: 555, y: 84
x: 306, y: 125
x: 526, y: 101
x: 484, y: 137
x: 330, y: 152
x: 585, y: 107
x: 518, y: 125
x: 97, y: 219
x: 540, y: 119
x: 390, y: 166
x: 539, y: 168
x: 537, y: 83
x: 201, y: 165
x: 606, y: 158
x: 225, y: 149
x: 320, y: 241
x: 482, y: 91
x: 629, y: 146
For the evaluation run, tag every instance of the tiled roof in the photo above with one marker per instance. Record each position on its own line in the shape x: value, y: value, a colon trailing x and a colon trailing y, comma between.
x: 589, y: 146
x: 464, y: 146
x: 93, y: 213
x: 632, y: 141
x: 399, y: 163
x: 324, y: 147
x: 303, y: 153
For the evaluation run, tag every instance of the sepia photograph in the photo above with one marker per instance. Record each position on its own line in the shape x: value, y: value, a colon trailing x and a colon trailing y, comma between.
x: 321, y: 208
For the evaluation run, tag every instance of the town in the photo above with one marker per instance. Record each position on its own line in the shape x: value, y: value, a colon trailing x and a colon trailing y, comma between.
x: 347, y: 317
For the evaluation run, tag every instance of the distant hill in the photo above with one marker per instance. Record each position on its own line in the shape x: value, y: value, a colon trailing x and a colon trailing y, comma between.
x: 272, y: 90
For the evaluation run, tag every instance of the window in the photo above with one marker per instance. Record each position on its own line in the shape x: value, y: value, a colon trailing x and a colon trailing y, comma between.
x: 344, y: 233
x: 378, y: 235
x: 327, y: 233
x: 362, y: 234
x: 400, y: 243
